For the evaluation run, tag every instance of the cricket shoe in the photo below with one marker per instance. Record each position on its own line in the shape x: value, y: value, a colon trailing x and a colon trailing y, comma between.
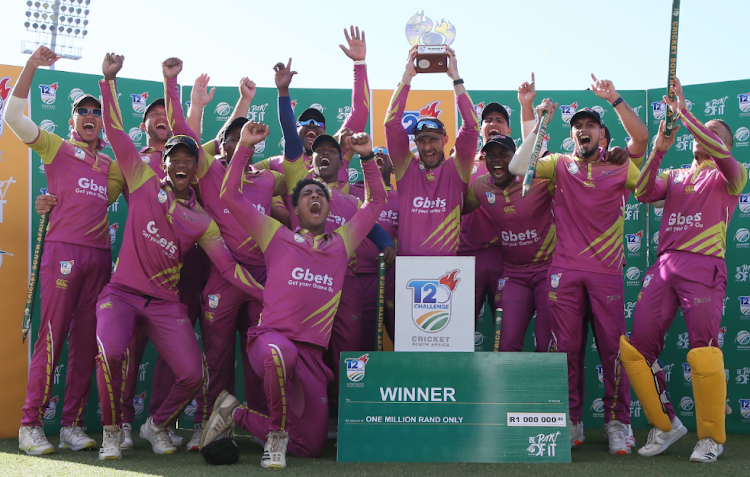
x: 74, y: 438
x: 194, y: 443
x: 158, y: 436
x: 31, y: 439
x: 706, y: 451
x: 617, y: 435
x: 111, y: 437
x: 176, y: 440
x: 658, y: 440
x: 576, y: 435
x: 221, y: 419
x: 126, y: 436
x: 630, y: 440
x: 274, y: 453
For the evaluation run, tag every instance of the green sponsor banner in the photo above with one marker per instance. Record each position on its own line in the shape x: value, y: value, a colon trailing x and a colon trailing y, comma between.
x: 453, y: 407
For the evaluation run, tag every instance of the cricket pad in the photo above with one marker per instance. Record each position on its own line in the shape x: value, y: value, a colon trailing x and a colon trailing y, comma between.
x: 643, y: 382
x: 709, y: 392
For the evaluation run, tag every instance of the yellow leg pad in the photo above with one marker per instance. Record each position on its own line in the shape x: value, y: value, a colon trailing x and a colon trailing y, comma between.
x: 642, y: 380
x: 709, y: 392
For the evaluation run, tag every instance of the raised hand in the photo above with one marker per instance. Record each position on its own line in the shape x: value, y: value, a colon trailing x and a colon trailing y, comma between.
x: 42, y: 56
x: 663, y: 143
x: 679, y: 102
x: 546, y: 105
x: 171, y: 67
x: 605, y: 89
x: 361, y: 143
x: 411, y: 70
x: 345, y: 135
x: 356, y: 42
x: 112, y: 65
x: 200, y: 96
x: 284, y: 75
x: 253, y: 133
x: 452, y: 65
x: 247, y: 89
x: 527, y: 92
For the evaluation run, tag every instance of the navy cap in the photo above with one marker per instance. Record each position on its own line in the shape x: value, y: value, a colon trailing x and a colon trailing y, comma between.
x: 496, y: 107
x: 504, y: 141
x: 177, y: 141
x: 586, y: 112
x: 325, y: 138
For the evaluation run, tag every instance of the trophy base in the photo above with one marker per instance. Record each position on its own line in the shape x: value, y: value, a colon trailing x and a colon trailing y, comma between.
x: 432, y: 59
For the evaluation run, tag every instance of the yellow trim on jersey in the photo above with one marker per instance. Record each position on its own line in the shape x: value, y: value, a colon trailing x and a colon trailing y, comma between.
x: 330, y: 312
x: 548, y: 246
x: 612, y: 235
x: 174, y: 277
x: 450, y: 226
x: 715, y: 239
x: 104, y: 225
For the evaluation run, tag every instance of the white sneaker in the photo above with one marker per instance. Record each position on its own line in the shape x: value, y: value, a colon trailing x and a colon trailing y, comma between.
x: 629, y: 440
x: 158, y: 436
x: 658, y: 440
x: 176, y: 440
x: 706, y: 451
x: 617, y: 434
x: 576, y: 435
x: 221, y: 419
x: 193, y: 444
x: 31, y: 439
x: 126, y: 436
x: 75, y: 439
x: 274, y: 453
x: 111, y: 436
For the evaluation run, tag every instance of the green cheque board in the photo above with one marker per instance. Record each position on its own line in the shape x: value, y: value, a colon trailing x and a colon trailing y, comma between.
x: 453, y: 407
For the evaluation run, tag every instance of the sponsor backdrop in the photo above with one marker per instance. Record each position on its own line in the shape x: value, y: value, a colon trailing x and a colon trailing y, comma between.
x: 52, y: 94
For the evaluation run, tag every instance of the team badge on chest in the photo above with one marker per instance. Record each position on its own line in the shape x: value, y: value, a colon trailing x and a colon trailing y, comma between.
x: 162, y: 196
x: 491, y: 197
x: 80, y: 154
x: 573, y: 168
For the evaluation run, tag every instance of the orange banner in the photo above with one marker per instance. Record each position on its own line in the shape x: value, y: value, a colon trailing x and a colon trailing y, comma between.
x: 14, y: 263
x: 440, y: 104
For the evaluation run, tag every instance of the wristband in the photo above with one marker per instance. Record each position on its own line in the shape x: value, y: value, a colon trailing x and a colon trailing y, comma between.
x: 458, y: 82
x: 367, y: 157
x: 617, y: 101
x: 359, y: 62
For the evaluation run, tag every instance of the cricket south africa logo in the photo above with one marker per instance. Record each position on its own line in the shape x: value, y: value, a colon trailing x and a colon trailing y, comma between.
x: 355, y: 368
x: 431, y: 301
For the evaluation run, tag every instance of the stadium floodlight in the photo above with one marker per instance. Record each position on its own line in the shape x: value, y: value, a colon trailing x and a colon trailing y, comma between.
x: 57, y: 24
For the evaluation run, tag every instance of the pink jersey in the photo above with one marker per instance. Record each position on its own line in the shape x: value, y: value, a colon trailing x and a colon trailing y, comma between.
x: 160, y: 228
x: 700, y: 200
x: 526, y: 224
x: 431, y: 199
x: 79, y: 178
x: 477, y: 232
x: 305, y: 272
x: 588, y: 210
x: 150, y: 156
x: 367, y: 252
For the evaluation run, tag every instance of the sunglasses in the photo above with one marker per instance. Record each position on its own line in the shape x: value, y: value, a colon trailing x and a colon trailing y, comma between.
x: 380, y: 150
x: 96, y: 112
x: 311, y: 122
x: 427, y: 124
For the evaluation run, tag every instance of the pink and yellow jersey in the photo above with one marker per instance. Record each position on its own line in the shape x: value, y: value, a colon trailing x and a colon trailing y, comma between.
x: 305, y: 272
x: 81, y: 180
x: 588, y: 210
x: 150, y: 156
x: 430, y: 200
x: 525, y: 224
x: 477, y: 232
x: 160, y: 228
x: 367, y: 252
x: 699, y: 201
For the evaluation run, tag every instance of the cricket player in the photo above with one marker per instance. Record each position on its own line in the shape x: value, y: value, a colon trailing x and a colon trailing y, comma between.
x: 306, y: 271
x: 689, y: 272
x: 164, y: 221
x: 431, y: 185
x: 587, y: 268
x: 75, y: 265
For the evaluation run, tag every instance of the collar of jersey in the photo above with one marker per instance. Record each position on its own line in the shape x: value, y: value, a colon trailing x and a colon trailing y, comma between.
x: 148, y: 149
x: 602, y: 153
x: 189, y: 202
x: 76, y: 139
x: 302, y: 231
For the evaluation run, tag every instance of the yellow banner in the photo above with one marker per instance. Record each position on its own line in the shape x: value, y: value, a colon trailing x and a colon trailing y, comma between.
x: 14, y: 262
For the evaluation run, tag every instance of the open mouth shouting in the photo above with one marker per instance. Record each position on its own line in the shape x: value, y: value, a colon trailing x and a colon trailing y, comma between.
x: 89, y: 126
x: 316, y: 207
x: 324, y: 163
x: 584, y: 139
x: 181, y: 178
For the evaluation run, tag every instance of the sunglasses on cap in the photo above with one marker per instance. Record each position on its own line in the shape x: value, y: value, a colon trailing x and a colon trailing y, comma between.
x: 311, y: 122
x: 380, y: 150
x: 427, y: 124
x: 96, y: 112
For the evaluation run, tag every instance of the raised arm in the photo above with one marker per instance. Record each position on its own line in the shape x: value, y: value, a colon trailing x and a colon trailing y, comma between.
x: 396, y: 137
x: 633, y: 125
x: 293, y: 148
x: 233, y: 272
x: 522, y: 157
x: 258, y: 225
x: 200, y: 96
x: 247, y: 94
x: 651, y: 185
x: 133, y: 169
x: 471, y: 203
x: 354, y: 231
x: 357, y: 50
x: 466, y: 140
x: 526, y: 96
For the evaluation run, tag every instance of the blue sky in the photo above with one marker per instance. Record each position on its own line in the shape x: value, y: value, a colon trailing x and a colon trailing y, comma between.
x: 497, y: 47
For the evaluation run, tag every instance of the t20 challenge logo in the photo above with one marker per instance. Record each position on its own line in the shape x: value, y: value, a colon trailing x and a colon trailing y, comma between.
x: 355, y: 368
x: 139, y: 102
x: 410, y: 118
x: 745, y: 408
x: 431, y: 301
x: 48, y: 93
x: 633, y: 241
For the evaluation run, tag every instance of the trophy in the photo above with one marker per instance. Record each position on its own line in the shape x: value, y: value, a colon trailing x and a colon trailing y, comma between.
x: 431, y: 52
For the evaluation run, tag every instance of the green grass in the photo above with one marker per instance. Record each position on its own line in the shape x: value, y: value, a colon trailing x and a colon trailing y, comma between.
x: 591, y: 459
